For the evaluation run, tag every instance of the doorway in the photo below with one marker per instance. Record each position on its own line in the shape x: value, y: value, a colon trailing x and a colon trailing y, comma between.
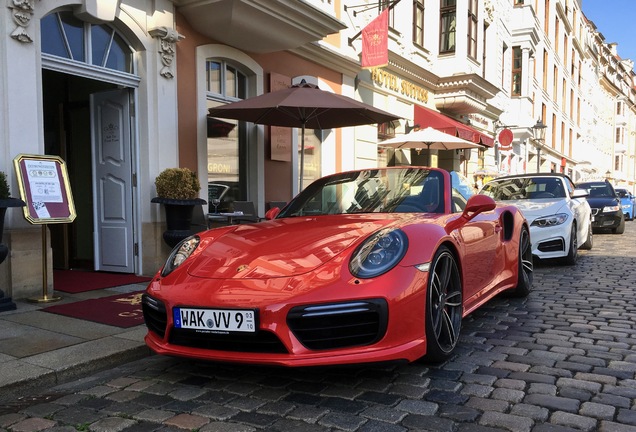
x: 68, y: 133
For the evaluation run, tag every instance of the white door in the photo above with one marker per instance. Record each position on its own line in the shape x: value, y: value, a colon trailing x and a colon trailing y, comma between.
x: 112, y: 181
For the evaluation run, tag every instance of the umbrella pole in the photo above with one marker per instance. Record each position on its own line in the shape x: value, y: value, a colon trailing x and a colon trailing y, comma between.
x: 302, y: 158
x: 428, y: 153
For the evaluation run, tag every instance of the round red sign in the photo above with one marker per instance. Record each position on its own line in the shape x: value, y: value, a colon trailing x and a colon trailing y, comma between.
x: 505, y: 137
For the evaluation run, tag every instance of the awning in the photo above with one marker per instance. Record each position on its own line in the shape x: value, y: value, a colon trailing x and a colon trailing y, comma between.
x: 426, y: 117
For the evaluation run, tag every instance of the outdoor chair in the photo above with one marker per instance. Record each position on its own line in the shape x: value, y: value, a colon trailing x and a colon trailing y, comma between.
x: 199, y: 221
x: 249, y: 212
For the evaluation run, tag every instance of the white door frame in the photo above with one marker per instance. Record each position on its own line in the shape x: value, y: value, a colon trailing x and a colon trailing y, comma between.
x: 124, y: 80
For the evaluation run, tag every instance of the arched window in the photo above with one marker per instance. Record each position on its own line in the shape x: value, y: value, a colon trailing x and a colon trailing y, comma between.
x: 66, y: 36
x: 225, y: 80
x: 228, y: 159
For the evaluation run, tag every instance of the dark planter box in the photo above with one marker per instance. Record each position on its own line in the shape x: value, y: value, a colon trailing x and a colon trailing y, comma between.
x: 178, y: 218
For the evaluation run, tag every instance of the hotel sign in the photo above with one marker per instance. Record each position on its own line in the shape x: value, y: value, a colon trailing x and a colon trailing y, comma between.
x: 394, y: 83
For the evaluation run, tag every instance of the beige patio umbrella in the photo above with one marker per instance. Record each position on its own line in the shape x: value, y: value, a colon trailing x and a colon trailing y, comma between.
x: 430, y: 139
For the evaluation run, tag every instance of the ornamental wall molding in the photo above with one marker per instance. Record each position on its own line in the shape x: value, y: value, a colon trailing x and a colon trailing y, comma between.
x: 459, y: 103
x: 489, y: 12
x: 22, y: 12
x: 167, y: 47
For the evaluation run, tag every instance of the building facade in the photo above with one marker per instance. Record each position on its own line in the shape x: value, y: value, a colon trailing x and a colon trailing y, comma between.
x: 566, y: 76
x: 120, y: 90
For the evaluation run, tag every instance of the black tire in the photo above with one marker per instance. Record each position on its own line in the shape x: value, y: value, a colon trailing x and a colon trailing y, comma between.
x: 573, y: 252
x: 526, y: 267
x: 620, y: 229
x: 589, y: 242
x: 444, y: 306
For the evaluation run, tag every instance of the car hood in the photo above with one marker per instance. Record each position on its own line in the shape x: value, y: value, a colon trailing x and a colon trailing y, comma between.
x: 601, y: 202
x: 533, y: 209
x: 282, y: 247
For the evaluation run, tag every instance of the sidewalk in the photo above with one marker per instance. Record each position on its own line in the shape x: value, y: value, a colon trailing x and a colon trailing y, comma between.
x: 40, y: 350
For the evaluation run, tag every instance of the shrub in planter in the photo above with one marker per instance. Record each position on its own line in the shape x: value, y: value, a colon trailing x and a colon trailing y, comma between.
x: 4, y: 186
x: 177, y: 183
x: 177, y: 190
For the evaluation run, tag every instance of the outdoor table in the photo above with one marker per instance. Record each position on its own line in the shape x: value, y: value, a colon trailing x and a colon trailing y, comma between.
x: 223, y: 218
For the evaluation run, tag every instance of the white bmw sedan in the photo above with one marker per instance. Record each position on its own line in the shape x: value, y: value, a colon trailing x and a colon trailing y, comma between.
x: 558, y: 213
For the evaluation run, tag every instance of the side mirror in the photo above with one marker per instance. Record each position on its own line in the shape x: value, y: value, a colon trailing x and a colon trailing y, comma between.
x: 580, y: 193
x: 272, y: 213
x: 479, y: 203
x: 476, y: 204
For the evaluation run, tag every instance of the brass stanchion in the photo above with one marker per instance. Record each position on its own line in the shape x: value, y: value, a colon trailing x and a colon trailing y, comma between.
x: 45, y: 269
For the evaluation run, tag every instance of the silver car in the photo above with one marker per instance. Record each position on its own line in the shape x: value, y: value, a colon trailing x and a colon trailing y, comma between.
x: 558, y: 213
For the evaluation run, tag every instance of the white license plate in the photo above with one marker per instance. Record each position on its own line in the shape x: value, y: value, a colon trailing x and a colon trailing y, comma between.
x: 220, y: 320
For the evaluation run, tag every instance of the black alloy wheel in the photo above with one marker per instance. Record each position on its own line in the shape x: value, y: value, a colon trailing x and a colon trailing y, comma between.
x: 526, y: 267
x: 444, y: 306
x: 620, y: 229
x: 589, y: 242
x: 573, y: 253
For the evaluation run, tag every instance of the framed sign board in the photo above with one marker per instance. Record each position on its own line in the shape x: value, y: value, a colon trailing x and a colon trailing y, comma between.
x: 44, y: 186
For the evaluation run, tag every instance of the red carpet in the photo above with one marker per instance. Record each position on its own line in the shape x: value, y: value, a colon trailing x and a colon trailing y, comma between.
x: 121, y: 310
x: 76, y: 281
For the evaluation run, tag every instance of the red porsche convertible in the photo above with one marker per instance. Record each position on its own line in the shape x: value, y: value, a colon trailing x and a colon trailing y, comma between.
x: 363, y: 266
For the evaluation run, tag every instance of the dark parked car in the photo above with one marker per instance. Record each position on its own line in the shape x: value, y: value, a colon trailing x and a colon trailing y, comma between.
x: 607, y: 211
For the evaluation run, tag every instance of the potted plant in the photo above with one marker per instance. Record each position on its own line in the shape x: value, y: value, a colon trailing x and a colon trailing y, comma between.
x: 177, y: 190
x: 5, y: 202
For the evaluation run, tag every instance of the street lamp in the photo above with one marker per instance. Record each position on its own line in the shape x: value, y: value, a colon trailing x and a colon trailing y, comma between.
x: 539, y: 136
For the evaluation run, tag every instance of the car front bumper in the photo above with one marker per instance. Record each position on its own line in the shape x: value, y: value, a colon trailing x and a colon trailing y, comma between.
x: 628, y: 211
x: 606, y: 220
x: 283, y: 326
x: 551, y: 242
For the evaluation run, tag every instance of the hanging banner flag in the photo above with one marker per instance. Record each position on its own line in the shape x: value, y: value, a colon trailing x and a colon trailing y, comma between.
x: 375, y: 42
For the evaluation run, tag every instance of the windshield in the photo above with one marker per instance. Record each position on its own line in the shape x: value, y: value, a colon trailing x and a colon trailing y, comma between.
x: 598, y: 189
x: 622, y: 193
x: 522, y: 188
x: 371, y: 191
x: 462, y: 185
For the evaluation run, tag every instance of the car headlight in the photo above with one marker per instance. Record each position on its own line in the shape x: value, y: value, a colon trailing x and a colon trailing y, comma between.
x: 379, y: 253
x: 549, y: 221
x: 180, y: 253
x: 611, y: 209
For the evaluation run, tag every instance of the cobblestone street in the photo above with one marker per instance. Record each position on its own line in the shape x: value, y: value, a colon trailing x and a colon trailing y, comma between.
x: 562, y: 359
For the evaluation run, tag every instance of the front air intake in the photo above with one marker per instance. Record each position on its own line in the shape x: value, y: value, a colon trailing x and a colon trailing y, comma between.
x: 155, y: 315
x: 339, y: 325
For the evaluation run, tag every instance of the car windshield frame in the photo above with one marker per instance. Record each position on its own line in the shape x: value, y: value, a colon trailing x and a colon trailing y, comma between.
x: 525, y: 188
x: 376, y: 190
